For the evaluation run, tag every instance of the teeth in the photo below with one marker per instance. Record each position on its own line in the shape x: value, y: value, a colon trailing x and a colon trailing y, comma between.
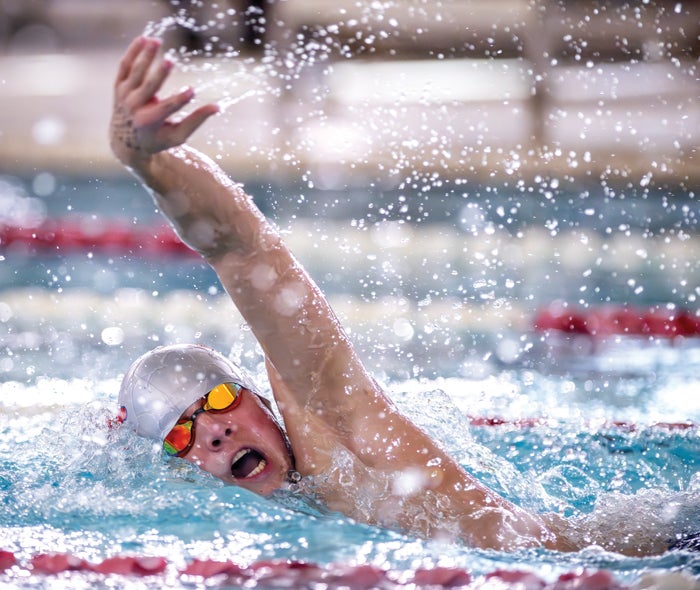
x: 240, y: 454
x: 258, y: 469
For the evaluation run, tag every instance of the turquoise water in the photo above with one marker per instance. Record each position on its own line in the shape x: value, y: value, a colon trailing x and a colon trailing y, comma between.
x: 69, y: 484
x: 451, y: 341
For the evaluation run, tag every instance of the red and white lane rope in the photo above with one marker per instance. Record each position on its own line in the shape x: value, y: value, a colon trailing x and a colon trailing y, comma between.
x: 64, y: 236
x: 295, y: 574
x: 488, y: 421
x: 621, y: 320
x: 67, y: 236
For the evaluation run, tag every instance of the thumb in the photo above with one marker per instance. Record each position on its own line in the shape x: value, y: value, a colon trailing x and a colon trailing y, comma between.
x: 179, y: 132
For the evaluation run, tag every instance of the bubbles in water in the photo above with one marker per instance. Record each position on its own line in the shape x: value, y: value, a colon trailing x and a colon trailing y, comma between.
x: 5, y: 312
x: 409, y: 482
x: 17, y: 208
x: 263, y: 277
x: 646, y: 521
x: 290, y: 299
x: 229, y: 101
x: 403, y: 329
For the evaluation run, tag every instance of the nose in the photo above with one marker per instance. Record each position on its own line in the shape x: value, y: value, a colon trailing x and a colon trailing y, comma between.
x: 211, y: 433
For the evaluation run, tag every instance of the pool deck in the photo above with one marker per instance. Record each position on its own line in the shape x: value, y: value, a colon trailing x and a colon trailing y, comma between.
x: 362, y: 121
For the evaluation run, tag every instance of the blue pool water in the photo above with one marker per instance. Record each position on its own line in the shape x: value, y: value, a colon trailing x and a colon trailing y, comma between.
x: 451, y: 337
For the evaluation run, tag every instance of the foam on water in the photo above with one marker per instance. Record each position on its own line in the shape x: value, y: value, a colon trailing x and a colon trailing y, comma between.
x: 70, y: 483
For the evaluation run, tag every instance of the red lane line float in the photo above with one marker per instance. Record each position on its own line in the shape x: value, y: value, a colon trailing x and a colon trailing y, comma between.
x: 7, y: 560
x: 481, y: 421
x: 64, y: 236
x: 619, y: 320
x: 55, y: 563
x: 295, y: 574
x: 68, y: 235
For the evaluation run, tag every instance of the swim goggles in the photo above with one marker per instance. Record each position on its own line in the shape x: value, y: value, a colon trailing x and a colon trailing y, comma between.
x: 222, y: 398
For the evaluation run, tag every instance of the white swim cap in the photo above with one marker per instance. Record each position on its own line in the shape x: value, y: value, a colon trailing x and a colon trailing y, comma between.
x: 163, y: 383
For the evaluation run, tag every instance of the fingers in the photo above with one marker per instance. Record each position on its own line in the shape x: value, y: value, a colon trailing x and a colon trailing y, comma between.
x: 128, y: 59
x: 140, y: 77
x: 176, y: 102
x: 170, y: 134
x: 135, y: 64
x: 142, y: 63
x: 152, y: 83
x: 182, y: 130
x: 159, y: 111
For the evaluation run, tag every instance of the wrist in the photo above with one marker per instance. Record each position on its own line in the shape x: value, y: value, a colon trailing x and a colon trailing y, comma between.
x: 143, y: 165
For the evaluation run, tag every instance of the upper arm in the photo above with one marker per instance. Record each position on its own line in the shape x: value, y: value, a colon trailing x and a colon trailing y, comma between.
x: 291, y: 319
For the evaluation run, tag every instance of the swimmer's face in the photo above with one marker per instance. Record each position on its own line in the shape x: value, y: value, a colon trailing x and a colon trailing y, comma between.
x: 243, y: 446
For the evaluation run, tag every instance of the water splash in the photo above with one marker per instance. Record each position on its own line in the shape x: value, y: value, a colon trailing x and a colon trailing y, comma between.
x: 649, y: 521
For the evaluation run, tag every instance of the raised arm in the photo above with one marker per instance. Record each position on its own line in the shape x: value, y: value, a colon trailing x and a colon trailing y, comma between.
x: 284, y: 308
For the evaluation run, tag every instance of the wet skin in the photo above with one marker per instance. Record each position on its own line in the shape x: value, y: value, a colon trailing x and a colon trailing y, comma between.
x: 243, y: 446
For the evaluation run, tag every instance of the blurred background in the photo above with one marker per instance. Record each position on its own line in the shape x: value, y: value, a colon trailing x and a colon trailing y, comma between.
x: 468, y: 163
x: 384, y: 89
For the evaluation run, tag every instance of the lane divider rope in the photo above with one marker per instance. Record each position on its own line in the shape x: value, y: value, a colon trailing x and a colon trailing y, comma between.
x: 623, y: 320
x: 64, y: 236
x: 67, y: 236
x: 299, y: 574
x: 623, y: 425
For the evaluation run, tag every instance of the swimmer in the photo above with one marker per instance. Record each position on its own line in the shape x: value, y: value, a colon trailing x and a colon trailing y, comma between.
x: 339, y: 424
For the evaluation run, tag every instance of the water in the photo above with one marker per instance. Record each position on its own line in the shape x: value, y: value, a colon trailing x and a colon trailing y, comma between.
x: 437, y: 280
x: 451, y: 341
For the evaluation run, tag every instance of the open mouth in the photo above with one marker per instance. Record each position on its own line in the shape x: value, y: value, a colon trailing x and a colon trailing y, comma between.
x: 247, y: 463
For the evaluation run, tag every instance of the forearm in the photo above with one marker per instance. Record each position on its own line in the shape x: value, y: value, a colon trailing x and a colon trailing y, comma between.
x: 209, y: 212
x: 283, y: 306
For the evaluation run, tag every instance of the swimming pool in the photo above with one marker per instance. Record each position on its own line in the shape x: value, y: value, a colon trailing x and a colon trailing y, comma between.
x: 603, y: 429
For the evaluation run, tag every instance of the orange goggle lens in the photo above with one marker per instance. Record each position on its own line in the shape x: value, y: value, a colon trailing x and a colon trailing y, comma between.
x: 222, y: 398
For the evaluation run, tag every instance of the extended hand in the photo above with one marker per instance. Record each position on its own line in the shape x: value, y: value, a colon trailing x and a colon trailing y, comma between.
x: 141, y: 124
